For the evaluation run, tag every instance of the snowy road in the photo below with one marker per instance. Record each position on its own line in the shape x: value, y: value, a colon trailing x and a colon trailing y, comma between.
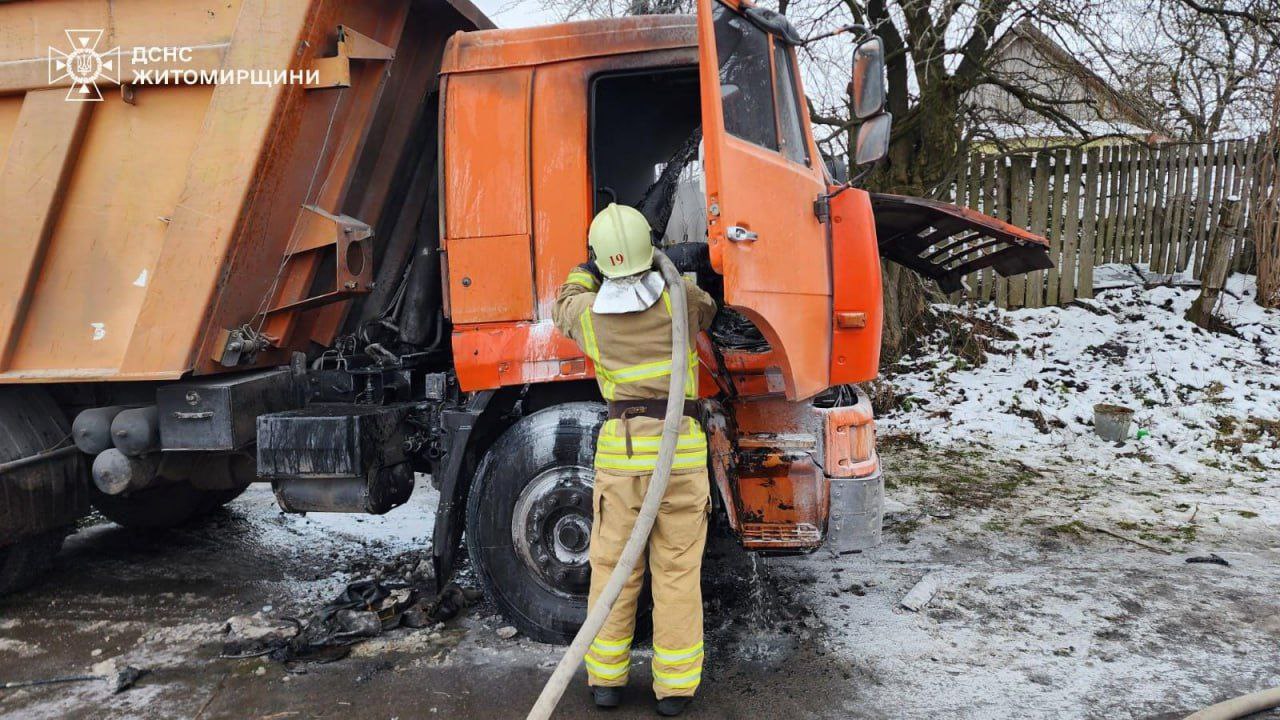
x: 1030, y: 622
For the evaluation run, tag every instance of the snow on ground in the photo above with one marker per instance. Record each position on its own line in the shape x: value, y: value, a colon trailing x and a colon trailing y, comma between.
x: 405, y: 528
x: 1204, y: 445
x: 1062, y: 560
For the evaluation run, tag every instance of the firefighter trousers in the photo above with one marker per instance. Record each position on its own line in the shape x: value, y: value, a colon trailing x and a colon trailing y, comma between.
x: 675, y: 564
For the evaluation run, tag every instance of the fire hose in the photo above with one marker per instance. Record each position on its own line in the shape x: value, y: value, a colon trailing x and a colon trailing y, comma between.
x: 1242, y: 706
x: 639, y: 537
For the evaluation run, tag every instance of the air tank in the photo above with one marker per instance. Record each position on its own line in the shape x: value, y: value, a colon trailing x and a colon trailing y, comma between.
x: 91, y: 429
x: 137, y: 431
x: 115, y: 473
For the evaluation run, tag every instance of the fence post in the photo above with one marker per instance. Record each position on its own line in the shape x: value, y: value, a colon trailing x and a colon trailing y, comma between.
x: 1039, y: 226
x: 1019, y: 191
x: 959, y: 198
x: 1002, y: 206
x: 1108, y: 202
x: 1126, y: 220
x: 1173, y: 188
x: 1055, y: 226
x: 1155, y: 182
x: 1089, y: 227
x: 1218, y: 265
x: 989, y: 207
x: 1265, y: 221
x: 1185, y: 211
x: 1070, y: 237
x: 972, y: 288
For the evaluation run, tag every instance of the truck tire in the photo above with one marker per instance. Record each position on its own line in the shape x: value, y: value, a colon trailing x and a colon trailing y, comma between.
x: 529, y: 520
x: 39, y: 503
x: 166, y: 506
x: 24, y: 561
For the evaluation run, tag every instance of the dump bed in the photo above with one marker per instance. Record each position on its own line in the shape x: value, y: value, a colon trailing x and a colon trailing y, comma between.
x: 175, y: 176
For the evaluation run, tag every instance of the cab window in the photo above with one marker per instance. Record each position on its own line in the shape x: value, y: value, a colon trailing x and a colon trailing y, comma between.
x: 793, y: 142
x: 757, y: 109
x: 746, y: 88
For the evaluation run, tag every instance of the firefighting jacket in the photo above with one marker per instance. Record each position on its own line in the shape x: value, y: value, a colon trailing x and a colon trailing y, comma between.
x: 631, y: 353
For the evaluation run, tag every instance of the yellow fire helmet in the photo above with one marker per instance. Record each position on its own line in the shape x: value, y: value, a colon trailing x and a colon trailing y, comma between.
x: 619, y: 235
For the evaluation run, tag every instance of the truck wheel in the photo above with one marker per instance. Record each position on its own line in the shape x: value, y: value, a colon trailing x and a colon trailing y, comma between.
x: 161, y: 507
x: 39, y: 502
x: 27, y: 559
x: 529, y: 520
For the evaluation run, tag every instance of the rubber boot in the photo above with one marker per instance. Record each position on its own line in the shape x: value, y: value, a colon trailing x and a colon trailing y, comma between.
x: 607, y: 697
x: 673, y: 706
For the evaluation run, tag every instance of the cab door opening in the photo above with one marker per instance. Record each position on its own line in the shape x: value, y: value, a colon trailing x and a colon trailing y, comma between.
x: 644, y: 139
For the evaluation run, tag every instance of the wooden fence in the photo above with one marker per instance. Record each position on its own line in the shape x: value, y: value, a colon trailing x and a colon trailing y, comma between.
x: 1110, y: 204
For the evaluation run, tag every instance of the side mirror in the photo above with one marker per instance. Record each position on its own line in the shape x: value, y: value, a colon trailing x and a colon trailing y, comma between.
x: 873, y: 139
x: 867, y: 89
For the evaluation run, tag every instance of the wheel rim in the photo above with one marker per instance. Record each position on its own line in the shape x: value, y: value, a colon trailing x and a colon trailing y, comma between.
x: 551, y: 529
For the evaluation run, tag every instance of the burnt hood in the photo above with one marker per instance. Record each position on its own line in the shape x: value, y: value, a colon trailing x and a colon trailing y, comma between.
x: 945, y: 242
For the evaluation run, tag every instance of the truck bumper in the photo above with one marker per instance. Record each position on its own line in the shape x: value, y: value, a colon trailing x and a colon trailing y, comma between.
x: 796, y: 477
x: 857, y: 512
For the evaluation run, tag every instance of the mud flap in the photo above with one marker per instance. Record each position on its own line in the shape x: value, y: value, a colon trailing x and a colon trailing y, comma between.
x: 459, y: 465
x: 945, y: 242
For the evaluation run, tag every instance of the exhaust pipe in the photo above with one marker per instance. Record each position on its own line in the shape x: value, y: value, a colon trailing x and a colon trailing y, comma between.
x: 137, y: 432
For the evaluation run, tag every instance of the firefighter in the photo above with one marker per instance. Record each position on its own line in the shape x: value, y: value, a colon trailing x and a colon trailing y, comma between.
x: 618, y: 310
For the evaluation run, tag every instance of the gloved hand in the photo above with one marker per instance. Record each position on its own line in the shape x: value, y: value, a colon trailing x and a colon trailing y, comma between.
x: 589, y: 267
x: 694, y: 257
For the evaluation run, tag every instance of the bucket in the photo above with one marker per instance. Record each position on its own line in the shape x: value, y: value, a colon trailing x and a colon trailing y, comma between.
x: 1111, y: 422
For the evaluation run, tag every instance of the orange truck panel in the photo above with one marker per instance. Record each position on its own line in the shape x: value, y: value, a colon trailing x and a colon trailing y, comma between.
x: 857, y: 301
x: 780, y: 279
x: 491, y: 279
x: 512, y: 165
x: 486, y: 150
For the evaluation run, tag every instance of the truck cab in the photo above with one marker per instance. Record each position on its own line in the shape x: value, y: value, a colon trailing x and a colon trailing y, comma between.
x: 542, y: 127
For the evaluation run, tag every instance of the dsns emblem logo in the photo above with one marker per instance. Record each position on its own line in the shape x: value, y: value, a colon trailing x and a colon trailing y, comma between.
x: 84, y: 65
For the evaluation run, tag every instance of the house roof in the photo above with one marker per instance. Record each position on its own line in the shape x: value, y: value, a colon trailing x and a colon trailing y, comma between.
x: 1125, y: 109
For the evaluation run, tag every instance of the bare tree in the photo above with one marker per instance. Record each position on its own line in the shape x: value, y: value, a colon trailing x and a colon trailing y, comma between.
x: 1266, y: 224
x: 1206, y: 68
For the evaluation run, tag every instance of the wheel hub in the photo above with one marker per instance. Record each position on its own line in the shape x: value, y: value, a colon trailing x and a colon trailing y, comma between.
x: 551, y: 529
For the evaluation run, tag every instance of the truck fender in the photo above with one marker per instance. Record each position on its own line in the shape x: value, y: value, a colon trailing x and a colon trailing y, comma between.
x: 469, y: 432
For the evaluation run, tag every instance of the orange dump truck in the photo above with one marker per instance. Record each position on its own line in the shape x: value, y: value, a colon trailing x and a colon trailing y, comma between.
x: 316, y: 242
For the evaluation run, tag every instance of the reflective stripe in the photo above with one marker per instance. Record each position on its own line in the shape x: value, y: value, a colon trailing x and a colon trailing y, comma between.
x: 691, y: 379
x: 611, y: 449
x: 671, y: 657
x: 643, y: 371
x: 688, y: 461
x: 607, y: 671
x: 589, y: 338
x: 592, y: 349
x: 687, y: 679
x: 610, y: 379
x: 578, y: 277
x: 616, y: 447
x: 610, y: 647
x: 609, y: 442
